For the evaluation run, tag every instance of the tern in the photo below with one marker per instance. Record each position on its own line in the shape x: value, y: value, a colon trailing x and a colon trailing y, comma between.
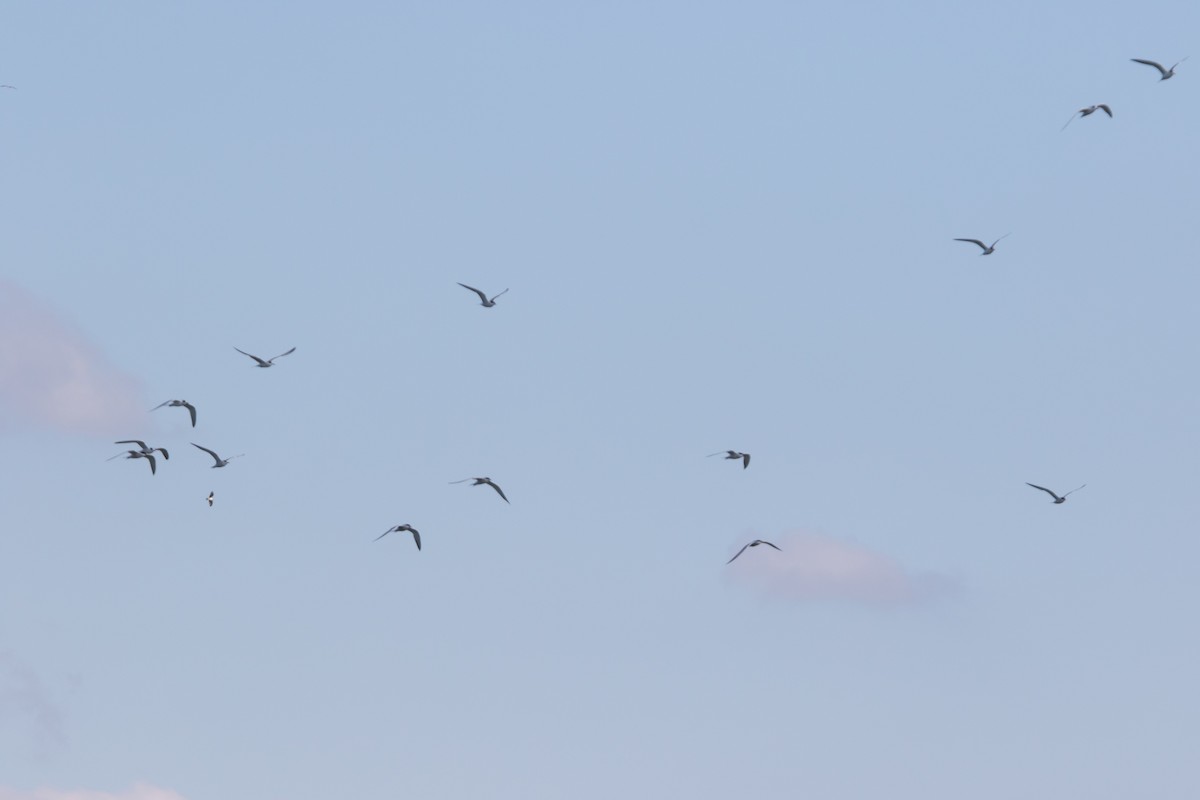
x: 483, y: 298
x: 270, y: 361
x: 755, y: 543
x: 220, y: 462
x: 182, y: 403
x: 733, y: 454
x: 987, y: 249
x: 1166, y: 73
x: 144, y: 450
x: 139, y: 454
x: 1057, y: 500
x: 1084, y: 112
x: 482, y: 481
x: 211, y: 495
x: 399, y: 528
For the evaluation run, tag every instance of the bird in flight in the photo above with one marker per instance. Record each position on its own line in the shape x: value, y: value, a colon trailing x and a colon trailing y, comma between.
x: 987, y: 249
x: 270, y: 361
x: 145, y: 452
x: 755, y: 543
x: 1057, y: 499
x: 734, y: 455
x: 143, y: 449
x: 211, y: 495
x: 220, y: 462
x: 1084, y: 112
x: 482, y: 481
x: 1166, y: 73
x: 181, y: 403
x: 483, y: 298
x: 399, y: 528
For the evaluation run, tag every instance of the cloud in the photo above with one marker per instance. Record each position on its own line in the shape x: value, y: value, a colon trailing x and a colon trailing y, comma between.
x: 27, y: 714
x: 140, y: 791
x: 814, y: 568
x: 52, y: 376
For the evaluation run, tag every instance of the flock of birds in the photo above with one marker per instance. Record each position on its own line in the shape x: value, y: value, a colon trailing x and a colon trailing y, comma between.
x: 144, y: 451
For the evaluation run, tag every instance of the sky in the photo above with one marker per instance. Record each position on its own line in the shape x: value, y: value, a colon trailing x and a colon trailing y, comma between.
x: 720, y: 226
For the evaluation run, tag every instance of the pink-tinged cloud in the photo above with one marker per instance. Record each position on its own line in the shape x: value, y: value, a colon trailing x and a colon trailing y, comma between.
x: 50, y: 375
x: 810, y: 567
x: 140, y: 791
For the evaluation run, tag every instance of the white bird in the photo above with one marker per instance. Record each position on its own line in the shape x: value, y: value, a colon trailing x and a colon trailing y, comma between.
x: 146, y: 451
x: 220, y: 462
x: 1084, y: 112
x: 138, y: 454
x: 399, y: 528
x: 483, y: 298
x: 211, y: 495
x: 1166, y: 73
x: 178, y: 403
x: 482, y: 481
x: 733, y: 454
x: 987, y: 249
x: 755, y: 543
x: 270, y: 361
x: 1057, y: 499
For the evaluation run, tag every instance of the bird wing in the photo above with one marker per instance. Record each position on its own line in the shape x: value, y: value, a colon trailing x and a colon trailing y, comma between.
x: 745, y: 460
x: 210, y: 498
x: 416, y: 536
x: 738, y: 553
x: 1105, y: 109
x: 764, y: 541
x: 499, y: 491
x: 982, y: 246
x: 281, y: 355
x: 216, y: 457
x: 1073, y: 491
x: 482, y: 296
x: 494, y: 298
x: 1005, y: 236
x: 1043, y: 488
x: 385, y: 533
x: 256, y: 358
x: 138, y: 442
x: 1154, y: 64
x: 191, y: 410
x: 153, y: 466
x: 1072, y: 119
x: 464, y: 480
x: 163, y: 450
x: 160, y: 405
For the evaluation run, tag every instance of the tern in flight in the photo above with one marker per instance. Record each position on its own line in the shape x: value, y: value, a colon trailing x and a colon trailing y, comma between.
x: 139, y: 454
x: 1057, y: 499
x: 987, y: 249
x: 143, y: 449
x: 481, y: 482
x: 399, y: 528
x: 1166, y: 73
x: 220, y: 462
x: 1085, y: 112
x: 270, y: 361
x: 184, y: 403
x: 733, y: 454
x: 755, y: 543
x: 211, y: 495
x: 483, y: 298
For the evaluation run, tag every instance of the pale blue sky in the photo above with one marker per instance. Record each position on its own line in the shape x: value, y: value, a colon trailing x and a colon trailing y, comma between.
x: 722, y: 226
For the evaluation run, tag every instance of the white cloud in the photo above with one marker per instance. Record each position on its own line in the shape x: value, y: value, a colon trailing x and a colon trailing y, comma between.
x: 52, y: 376
x: 810, y: 567
x: 140, y: 791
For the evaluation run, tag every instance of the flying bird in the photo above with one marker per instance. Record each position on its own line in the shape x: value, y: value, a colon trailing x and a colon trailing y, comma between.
x: 755, y: 543
x: 1057, y: 499
x: 211, y: 495
x: 482, y: 481
x: 220, y: 462
x: 270, y: 361
x: 1166, y: 73
x: 987, y: 249
x: 399, y: 528
x: 139, y: 454
x: 733, y: 454
x: 483, y: 298
x: 1084, y: 112
x: 184, y: 403
x: 143, y: 449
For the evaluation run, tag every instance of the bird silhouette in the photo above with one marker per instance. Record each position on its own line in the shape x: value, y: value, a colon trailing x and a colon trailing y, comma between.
x: 733, y: 455
x: 987, y: 249
x: 404, y: 527
x: 483, y: 298
x: 482, y: 481
x: 755, y: 543
x: 1057, y: 500
x: 270, y: 361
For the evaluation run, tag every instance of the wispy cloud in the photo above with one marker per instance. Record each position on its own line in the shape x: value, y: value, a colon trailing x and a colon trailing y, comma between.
x: 50, y: 375
x: 140, y: 791
x: 27, y: 714
x: 815, y: 568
